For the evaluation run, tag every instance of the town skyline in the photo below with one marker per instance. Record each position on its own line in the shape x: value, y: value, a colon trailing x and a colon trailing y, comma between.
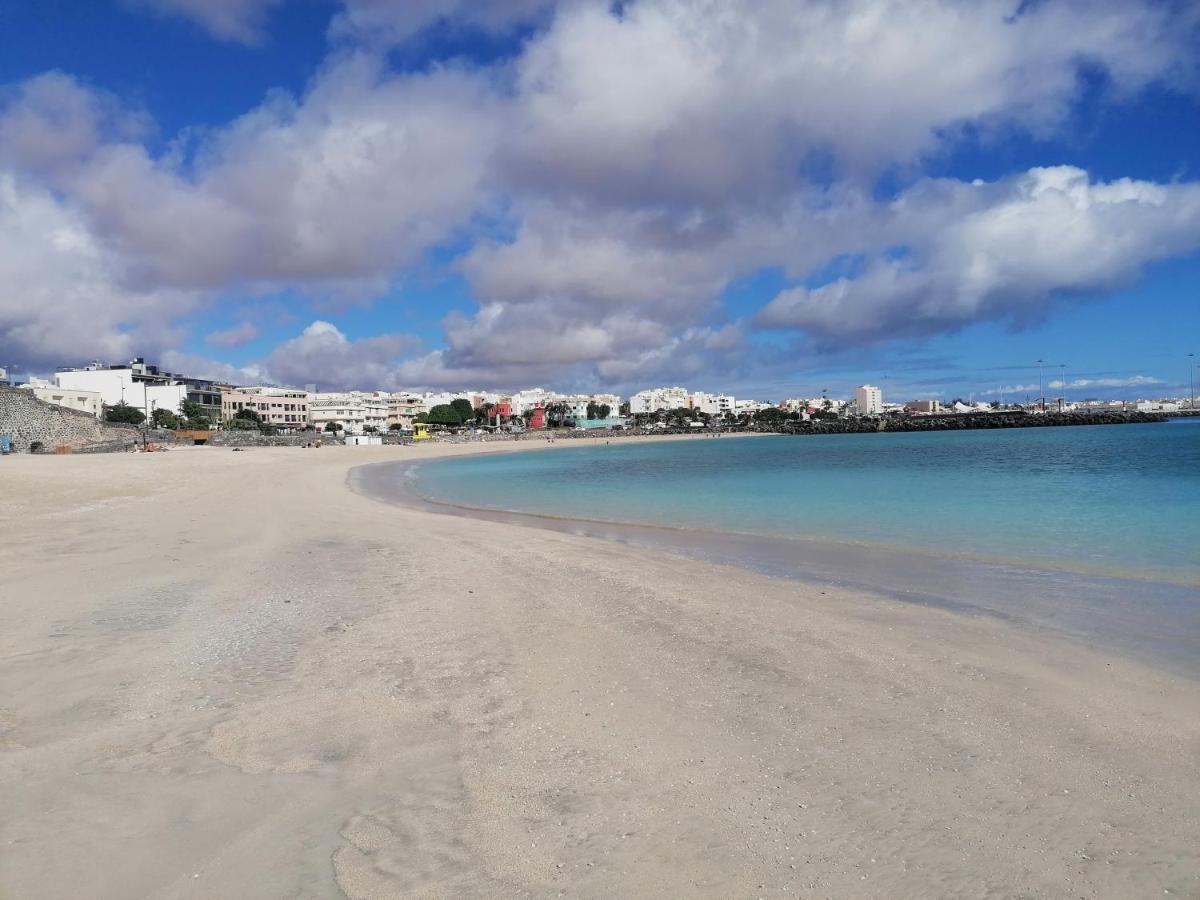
x: 421, y: 196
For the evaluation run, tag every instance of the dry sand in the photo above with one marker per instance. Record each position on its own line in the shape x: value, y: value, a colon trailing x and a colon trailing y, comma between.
x: 225, y: 675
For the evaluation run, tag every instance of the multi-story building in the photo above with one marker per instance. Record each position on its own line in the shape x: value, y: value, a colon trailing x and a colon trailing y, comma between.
x: 658, y: 399
x: 868, y: 399
x: 355, y: 411
x: 282, y: 408
x: 403, y: 409
x: 749, y: 407
x: 717, y: 405
x: 134, y: 384
x: 533, y: 398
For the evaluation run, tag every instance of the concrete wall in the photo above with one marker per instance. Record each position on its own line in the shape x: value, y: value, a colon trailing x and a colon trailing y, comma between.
x: 26, y: 419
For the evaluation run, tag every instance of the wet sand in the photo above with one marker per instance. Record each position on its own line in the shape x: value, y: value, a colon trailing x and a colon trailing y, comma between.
x: 228, y: 675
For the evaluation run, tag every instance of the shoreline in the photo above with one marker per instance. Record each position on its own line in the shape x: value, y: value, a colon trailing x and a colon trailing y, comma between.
x: 1091, y: 609
x: 227, y: 674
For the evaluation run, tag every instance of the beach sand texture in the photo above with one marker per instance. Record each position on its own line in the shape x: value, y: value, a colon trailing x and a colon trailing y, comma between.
x: 226, y: 675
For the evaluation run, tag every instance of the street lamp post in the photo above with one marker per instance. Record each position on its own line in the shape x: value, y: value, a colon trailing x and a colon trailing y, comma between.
x: 1062, y: 377
x: 1041, y: 388
x: 1191, y: 382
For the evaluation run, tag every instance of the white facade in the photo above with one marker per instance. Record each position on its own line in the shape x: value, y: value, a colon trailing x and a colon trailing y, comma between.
x: 89, y: 402
x: 118, y: 386
x: 355, y: 411
x: 713, y: 404
x: 749, y: 406
x: 868, y: 399
x: 658, y: 399
x: 523, y: 401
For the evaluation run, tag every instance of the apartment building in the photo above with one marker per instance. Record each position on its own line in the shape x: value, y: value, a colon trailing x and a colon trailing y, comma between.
x: 358, y: 412
x: 282, y: 408
x: 403, y: 409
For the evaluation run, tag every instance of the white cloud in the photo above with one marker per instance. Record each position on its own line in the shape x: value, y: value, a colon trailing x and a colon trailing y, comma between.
x: 234, y: 336
x: 324, y: 356
x: 998, y: 251
x: 241, y: 21
x: 722, y: 103
x: 63, y: 296
x: 395, y: 21
x: 1058, y: 384
x: 51, y: 122
x: 609, y: 181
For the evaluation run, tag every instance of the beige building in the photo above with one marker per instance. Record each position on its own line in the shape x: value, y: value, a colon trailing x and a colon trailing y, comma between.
x: 282, y: 408
x: 90, y: 402
x: 403, y: 409
x: 927, y: 407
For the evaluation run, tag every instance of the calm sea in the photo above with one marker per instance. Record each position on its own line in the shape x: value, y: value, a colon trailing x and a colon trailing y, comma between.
x: 1091, y: 531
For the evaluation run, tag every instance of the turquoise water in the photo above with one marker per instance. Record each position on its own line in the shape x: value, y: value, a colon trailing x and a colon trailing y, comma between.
x: 1108, y: 500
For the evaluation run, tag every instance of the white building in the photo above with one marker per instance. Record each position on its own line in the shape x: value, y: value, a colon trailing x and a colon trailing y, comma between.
x: 125, y: 384
x: 868, y: 399
x: 355, y: 411
x: 533, y: 398
x: 749, y: 407
x: 89, y: 402
x: 717, y: 405
x: 659, y: 399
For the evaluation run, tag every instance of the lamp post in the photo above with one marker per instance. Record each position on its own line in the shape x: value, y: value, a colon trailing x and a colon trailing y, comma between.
x: 1041, y: 389
x: 1191, y: 382
x: 1062, y: 377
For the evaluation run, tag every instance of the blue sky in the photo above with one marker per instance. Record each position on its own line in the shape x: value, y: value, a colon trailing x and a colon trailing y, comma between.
x: 503, y: 193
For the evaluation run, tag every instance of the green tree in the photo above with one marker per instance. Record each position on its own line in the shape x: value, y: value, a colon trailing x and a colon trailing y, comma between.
x: 681, y: 415
x: 249, y: 415
x: 334, y: 427
x: 770, y: 416
x: 444, y: 414
x: 624, y: 409
x: 124, y: 414
x: 598, y: 410
x: 164, y: 418
x: 194, y: 413
x: 395, y: 426
x: 465, y: 410
x: 556, y: 413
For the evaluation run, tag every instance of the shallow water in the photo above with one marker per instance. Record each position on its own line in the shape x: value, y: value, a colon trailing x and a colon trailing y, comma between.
x: 1091, y: 532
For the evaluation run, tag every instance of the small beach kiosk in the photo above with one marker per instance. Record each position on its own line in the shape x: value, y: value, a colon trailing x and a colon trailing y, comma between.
x: 420, y: 431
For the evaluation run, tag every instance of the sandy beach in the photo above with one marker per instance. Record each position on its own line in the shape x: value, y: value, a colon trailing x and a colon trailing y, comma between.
x: 226, y: 674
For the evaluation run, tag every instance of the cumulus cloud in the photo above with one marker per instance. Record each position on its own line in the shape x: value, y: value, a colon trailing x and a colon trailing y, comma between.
x: 62, y: 293
x: 676, y: 101
x: 324, y: 356
x: 1000, y: 250
x: 241, y: 21
x: 234, y: 336
x: 349, y: 184
x: 609, y: 180
x: 51, y: 122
